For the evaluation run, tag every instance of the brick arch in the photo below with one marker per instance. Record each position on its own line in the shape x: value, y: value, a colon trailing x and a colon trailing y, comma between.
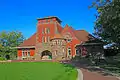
x: 46, y: 54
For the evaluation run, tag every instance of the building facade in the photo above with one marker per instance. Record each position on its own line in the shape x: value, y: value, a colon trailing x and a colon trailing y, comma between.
x: 52, y: 41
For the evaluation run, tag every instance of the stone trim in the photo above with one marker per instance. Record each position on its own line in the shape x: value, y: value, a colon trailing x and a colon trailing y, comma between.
x: 26, y: 47
x: 80, y: 75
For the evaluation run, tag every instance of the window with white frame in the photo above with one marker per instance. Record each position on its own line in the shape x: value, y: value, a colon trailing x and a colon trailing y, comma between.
x: 69, y: 51
x: 47, y: 30
x: 23, y: 54
x: 28, y: 54
x: 77, y: 52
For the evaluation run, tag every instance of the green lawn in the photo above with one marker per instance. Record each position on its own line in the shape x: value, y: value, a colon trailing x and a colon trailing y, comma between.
x: 37, y: 71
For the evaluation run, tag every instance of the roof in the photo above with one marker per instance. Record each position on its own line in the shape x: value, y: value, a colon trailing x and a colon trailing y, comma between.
x: 65, y: 28
x: 57, y: 36
x: 82, y: 35
x: 29, y: 42
x: 50, y: 17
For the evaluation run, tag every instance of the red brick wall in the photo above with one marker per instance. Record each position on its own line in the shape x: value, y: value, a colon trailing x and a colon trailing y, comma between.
x: 74, y: 41
x: 72, y: 45
x: 59, y: 27
x: 42, y: 26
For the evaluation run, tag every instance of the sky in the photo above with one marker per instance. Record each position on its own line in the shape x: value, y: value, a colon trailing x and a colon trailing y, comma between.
x: 21, y: 15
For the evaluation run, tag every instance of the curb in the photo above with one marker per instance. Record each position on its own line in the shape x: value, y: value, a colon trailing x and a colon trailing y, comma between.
x: 80, y: 75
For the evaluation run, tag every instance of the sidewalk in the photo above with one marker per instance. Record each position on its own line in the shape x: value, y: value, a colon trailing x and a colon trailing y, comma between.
x: 87, y: 75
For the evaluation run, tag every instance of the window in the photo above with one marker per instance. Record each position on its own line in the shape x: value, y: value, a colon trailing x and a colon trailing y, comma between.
x: 58, y: 42
x: 42, y: 31
x: 77, y: 51
x: 23, y: 55
x: 69, y: 51
x: 61, y: 43
x: 47, y: 30
x: 28, y: 54
x: 43, y: 39
x: 69, y: 40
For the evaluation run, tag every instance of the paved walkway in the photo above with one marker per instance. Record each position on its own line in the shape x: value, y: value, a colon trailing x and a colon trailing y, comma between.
x: 87, y: 75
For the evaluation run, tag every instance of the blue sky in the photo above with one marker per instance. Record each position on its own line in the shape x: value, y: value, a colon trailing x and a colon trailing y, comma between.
x: 21, y: 14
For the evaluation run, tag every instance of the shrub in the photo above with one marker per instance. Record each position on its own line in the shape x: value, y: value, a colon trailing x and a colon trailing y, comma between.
x: 1, y: 58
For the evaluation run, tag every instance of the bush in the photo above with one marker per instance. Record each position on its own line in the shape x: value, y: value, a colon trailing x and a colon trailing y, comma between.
x: 1, y: 58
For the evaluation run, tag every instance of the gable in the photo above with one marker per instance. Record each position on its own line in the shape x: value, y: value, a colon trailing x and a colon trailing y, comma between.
x: 68, y: 32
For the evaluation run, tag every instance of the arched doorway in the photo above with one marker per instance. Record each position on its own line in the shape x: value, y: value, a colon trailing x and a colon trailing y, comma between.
x: 46, y: 55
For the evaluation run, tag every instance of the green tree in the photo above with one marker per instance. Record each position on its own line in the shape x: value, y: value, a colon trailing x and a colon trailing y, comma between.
x: 8, y: 42
x: 107, y: 25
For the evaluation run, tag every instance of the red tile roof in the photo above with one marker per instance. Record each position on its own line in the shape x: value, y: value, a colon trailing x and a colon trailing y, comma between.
x: 29, y: 42
x: 83, y: 35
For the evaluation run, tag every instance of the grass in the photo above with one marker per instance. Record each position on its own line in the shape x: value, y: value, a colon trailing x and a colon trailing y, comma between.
x: 37, y: 71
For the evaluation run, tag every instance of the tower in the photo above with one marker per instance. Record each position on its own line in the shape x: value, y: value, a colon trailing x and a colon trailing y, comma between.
x: 46, y: 28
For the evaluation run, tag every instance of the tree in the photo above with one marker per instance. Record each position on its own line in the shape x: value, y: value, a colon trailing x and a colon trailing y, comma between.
x: 8, y: 41
x: 107, y: 25
x: 11, y: 39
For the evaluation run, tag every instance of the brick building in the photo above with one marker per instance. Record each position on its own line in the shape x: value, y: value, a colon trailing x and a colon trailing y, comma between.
x: 52, y: 41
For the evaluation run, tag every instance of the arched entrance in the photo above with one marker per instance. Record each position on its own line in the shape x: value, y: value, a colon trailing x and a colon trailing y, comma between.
x: 46, y: 55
